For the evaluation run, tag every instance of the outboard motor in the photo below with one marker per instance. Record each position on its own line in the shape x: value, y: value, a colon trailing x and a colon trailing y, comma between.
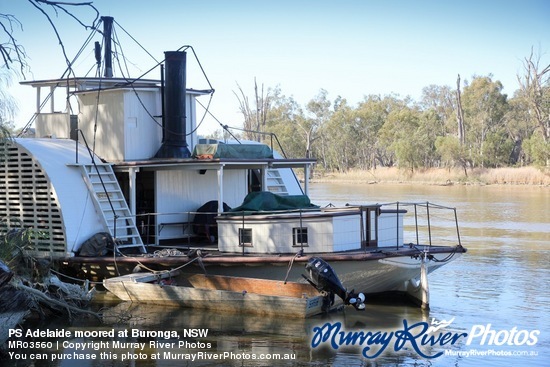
x: 321, y: 275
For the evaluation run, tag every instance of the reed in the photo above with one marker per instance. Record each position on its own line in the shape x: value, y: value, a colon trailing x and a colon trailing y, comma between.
x: 440, y: 176
x: 515, y: 176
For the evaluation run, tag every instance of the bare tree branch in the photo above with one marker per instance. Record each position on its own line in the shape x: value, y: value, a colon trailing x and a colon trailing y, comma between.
x: 534, y: 85
x: 244, y: 108
x: 460, y: 114
x: 61, y: 6
x: 14, y: 53
x: 12, y: 46
x: 254, y: 121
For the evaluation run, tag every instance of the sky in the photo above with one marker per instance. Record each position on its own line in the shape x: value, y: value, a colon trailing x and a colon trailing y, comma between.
x: 349, y: 48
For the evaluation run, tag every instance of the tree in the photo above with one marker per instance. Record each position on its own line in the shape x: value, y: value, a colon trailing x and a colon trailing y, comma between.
x: 371, y: 114
x: 255, y: 116
x: 8, y: 105
x: 441, y: 101
x: 319, y: 110
x: 14, y: 54
x: 452, y: 153
x: 484, y: 109
x: 281, y: 120
x: 460, y: 114
x: 8, y: 108
x: 5, y: 137
x: 537, y: 150
x: 519, y: 127
x: 338, y: 138
x: 535, y: 91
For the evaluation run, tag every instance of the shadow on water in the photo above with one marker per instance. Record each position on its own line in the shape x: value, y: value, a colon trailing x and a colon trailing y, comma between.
x: 240, y: 334
x: 500, y: 282
x: 244, y: 335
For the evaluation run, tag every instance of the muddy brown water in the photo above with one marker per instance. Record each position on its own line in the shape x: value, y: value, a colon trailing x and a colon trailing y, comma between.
x: 497, y: 294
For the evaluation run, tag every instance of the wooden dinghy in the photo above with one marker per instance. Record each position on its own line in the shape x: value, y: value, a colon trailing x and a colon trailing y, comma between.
x: 221, y: 293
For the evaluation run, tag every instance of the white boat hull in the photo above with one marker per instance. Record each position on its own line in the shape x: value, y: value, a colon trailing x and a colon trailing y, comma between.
x: 374, y: 272
x: 375, y: 276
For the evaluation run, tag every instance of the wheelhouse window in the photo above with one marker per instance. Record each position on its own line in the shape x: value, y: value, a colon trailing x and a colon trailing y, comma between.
x: 245, y: 237
x: 299, y: 237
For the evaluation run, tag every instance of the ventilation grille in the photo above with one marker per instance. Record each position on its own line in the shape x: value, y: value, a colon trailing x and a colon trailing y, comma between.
x: 27, y: 196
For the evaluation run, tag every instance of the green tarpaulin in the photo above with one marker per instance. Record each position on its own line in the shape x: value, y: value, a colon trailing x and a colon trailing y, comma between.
x: 265, y: 201
x: 242, y: 151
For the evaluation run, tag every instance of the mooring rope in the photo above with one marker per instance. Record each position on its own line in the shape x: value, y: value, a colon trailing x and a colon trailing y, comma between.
x: 291, y: 262
x: 446, y: 259
x: 73, y: 278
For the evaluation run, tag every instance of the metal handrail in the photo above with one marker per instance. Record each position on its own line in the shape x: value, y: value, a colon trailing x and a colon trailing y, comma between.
x: 427, y: 205
x: 300, y: 215
x: 115, y: 216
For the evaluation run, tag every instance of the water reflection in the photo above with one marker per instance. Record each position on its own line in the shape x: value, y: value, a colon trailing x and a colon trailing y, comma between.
x: 235, y: 333
x: 502, y: 280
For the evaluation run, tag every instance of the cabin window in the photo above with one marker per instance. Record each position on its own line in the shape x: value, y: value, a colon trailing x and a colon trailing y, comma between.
x: 299, y: 236
x: 245, y: 237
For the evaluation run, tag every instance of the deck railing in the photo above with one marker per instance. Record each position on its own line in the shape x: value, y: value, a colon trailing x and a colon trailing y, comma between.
x: 443, y: 216
x: 428, y: 221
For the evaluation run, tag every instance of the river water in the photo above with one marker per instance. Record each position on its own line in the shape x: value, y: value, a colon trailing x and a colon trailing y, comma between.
x: 497, y: 294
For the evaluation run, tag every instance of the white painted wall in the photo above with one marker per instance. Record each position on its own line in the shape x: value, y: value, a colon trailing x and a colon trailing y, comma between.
x: 53, y: 125
x: 109, y: 131
x: 142, y: 133
x: 388, y: 233
x: 127, y: 128
x: 347, y: 233
x: 55, y: 156
x: 325, y: 234
x: 180, y: 191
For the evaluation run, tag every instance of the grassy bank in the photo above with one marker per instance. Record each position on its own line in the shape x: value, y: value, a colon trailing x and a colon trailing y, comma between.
x: 435, y: 176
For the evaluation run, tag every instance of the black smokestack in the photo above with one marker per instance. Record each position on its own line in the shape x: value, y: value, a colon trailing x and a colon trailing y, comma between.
x: 107, y: 34
x: 174, y: 118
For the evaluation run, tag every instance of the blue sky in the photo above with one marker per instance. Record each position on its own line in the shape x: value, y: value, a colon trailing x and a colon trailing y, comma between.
x: 350, y: 48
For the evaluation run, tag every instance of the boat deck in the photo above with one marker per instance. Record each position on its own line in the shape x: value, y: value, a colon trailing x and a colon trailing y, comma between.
x: 177, y: 255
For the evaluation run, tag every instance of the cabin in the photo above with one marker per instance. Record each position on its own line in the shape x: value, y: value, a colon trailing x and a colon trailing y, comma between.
x: 98, y: 169
x: 124, y: 158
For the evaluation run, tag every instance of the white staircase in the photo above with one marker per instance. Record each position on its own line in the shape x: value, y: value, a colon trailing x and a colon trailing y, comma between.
x: 275, y: 183
x: 111, y: 205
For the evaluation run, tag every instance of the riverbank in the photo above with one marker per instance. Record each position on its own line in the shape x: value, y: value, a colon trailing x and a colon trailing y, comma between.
x: 437, y: 176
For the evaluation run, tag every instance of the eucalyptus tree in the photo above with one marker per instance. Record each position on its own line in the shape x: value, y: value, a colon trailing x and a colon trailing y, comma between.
x: 430, y: 128
x: 350, y: 139
x: 254, y: 114
x: 452, y: 153
x: 5, y: 137
x: 8, y: 109
x: 521, y: 128
x: 534, y: 93
x: 371, y: 114
x: 338, y: 139
x: 403, y: 137
x: 441, y: 101
x: 485, y: 107
x: 281, y: 119
x: 319, y: 113
x: 394, y: 128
